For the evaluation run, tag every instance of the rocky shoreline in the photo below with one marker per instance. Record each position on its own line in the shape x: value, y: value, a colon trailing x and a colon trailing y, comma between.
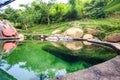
x: 109, y: 70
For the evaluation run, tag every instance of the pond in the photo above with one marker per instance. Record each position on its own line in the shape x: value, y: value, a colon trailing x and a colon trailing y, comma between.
x: 35, y: 60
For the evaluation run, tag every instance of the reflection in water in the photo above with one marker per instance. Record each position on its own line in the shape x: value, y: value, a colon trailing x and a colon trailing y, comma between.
x: 28, y: 58
x: 69, y: 45
x: 87, y: 36
x: 73, y: 45
x: 6, y: 47
x: 56, y: 44
x: 17, y: 71
x: 5, y: 76
x: 75, y: 51
x: 39, y: 61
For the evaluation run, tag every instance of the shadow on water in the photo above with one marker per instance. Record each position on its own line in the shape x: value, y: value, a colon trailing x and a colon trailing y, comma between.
x: 5, y: 76
x: 94, y: 56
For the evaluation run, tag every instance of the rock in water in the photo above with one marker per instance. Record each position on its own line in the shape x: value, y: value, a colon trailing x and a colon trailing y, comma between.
x: 115, y: 37
x: 73, y: 32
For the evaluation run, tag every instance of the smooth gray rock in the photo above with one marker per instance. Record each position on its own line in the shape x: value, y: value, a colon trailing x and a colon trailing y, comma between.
x: 109, y: 70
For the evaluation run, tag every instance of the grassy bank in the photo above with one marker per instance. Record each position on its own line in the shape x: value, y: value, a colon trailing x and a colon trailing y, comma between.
x: 113, y: 6
x: 107, y: 25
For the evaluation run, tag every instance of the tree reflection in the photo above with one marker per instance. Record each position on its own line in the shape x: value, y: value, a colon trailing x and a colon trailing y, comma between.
x: 5, y: 76
x: 43, y: 58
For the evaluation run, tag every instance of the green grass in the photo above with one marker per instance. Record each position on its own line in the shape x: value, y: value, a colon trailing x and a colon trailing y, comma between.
x: 113, y: 6
x: 105, y: 25
x: 47, y: 29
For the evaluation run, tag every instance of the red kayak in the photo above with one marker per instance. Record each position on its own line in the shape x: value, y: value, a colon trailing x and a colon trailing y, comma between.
x: 7, y: 30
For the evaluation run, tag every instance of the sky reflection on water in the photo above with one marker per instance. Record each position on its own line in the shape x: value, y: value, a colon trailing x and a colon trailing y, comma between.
x: 41, y: 60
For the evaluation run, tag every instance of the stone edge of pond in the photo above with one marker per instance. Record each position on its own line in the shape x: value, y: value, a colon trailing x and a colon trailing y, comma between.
x: 109, y: 70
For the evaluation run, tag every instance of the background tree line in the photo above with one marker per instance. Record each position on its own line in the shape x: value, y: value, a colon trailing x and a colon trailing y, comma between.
x: 39, y: 12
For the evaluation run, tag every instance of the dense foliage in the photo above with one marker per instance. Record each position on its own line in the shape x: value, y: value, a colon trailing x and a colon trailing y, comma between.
x: 39, y: 12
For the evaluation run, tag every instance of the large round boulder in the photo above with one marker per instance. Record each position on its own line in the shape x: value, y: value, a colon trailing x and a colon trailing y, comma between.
x: 73, y: 32
x: 115, y: 37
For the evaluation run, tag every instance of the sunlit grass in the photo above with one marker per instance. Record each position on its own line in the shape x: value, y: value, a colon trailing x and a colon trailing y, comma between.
x: 113, y: 6
x: 105, y: 25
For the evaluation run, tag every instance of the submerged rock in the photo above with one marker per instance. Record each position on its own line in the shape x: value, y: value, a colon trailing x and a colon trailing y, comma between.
x: 73, y: 32
x: 115, y: 37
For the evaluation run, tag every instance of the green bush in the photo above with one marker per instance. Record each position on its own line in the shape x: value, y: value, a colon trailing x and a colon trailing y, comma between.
x: 98, y: 13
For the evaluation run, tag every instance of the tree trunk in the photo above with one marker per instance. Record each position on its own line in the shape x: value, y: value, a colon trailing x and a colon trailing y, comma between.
x: 26, y: 27
x: 48, y: 19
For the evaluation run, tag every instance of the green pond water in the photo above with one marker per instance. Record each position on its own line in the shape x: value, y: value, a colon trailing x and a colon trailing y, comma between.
x: 42, y: 60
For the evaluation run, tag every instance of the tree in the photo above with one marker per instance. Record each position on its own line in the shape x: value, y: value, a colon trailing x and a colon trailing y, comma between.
x: 96, y: 8
x: 73, y: 12
x: 57, y: 12
x: 43, y: 9
x: 11, y: 14
x: 25, y: 16
x: 80, y: 7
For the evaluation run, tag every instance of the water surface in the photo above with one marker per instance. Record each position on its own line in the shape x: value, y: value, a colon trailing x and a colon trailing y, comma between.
x: 42, y: 60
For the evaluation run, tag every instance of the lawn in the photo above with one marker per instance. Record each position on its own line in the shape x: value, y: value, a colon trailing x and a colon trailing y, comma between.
x: 107, y: 25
